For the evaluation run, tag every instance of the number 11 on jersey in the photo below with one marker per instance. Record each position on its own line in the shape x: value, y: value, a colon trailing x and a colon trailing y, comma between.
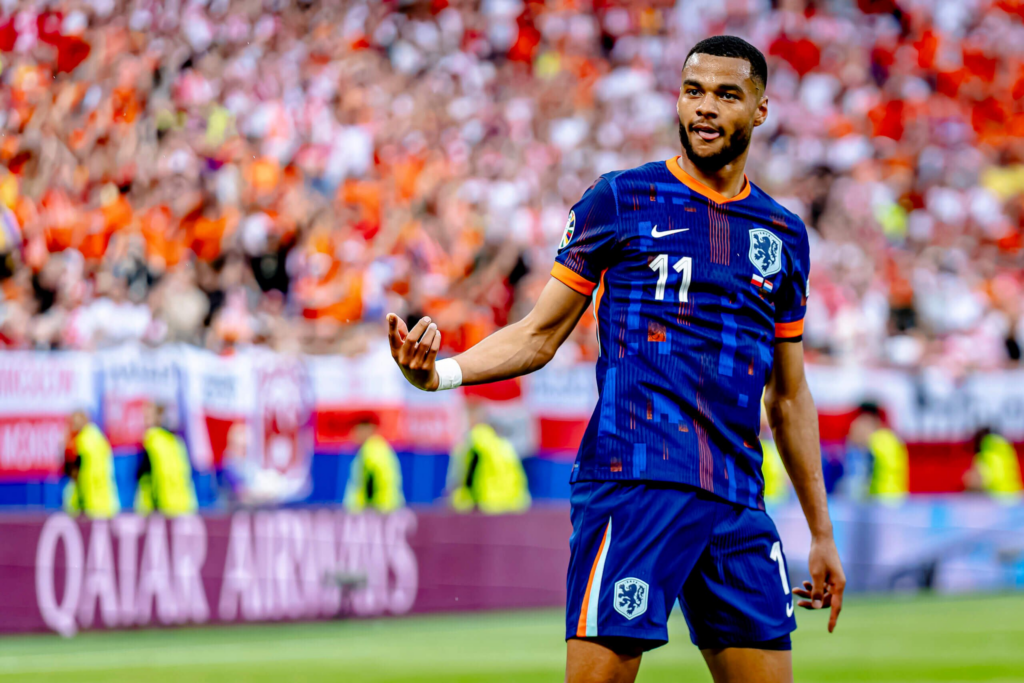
x: 683, y: 265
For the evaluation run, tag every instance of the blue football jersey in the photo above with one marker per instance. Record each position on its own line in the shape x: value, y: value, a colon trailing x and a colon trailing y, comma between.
x: 691, y: 293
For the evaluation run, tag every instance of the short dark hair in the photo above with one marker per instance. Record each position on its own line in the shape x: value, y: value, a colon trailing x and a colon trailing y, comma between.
x: 732, y: 46
x: 869, y: 408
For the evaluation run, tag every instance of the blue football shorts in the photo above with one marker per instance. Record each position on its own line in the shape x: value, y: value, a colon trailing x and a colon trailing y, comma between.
x: 638, y: 546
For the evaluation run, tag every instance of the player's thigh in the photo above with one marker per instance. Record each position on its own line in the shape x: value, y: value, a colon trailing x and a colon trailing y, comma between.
x: 738, y: 593
x: 749, y: 665
x: 602, y: 660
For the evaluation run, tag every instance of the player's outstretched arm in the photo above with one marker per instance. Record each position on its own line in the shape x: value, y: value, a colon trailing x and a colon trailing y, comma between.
x: 794, y: 422
x: 518, y: 349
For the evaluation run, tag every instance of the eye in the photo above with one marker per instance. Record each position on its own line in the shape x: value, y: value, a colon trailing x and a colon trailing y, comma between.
x: 692, y: 91
x: 729, y: 96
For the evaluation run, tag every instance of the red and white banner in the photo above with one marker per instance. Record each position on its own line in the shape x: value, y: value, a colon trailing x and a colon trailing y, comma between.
x: 220, y: 393
x: 251, y: 413
x: 267, y: 413
x: 131, y: 377
x: 929, y: 410
x: 923, y: 407
x: 348, y: 389
x: 562, y: 397
x: 37, y: 393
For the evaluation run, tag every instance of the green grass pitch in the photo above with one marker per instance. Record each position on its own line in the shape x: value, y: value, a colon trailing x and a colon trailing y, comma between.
x: 879, y: 639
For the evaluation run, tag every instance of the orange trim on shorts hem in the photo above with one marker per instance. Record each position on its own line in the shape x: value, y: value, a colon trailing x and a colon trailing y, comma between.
x: 700, y: 188
x: 581, y: 625
x: 788, y: 330
x: 572, y: 279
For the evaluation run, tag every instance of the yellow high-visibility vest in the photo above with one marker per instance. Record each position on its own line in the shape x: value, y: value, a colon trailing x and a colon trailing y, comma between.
x: 168, y: 488
x: 375, y: 480
x: 95, y: 493
x: 890, y: 466
x: 997, y: 463
x: 486, y: 473
x: 776, y: 480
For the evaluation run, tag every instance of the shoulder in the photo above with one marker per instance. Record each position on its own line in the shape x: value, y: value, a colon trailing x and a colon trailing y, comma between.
x: 600, y: 195
x: 785, y: 223
x: 92, y: 435
x: 640, y: 176
x: 150, y: 439
x: 615, y: 185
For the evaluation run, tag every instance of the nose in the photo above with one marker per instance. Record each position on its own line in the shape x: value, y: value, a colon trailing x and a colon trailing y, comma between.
x: 707, y: 108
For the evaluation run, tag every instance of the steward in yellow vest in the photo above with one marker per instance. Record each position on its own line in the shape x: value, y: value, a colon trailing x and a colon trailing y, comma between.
x: 165, y: 474
x: 92, y: 488
x: 776, y: 479
x: 996, y: 468
x: 890, y: 464
x: 375, y: 479
x: 485, y: 473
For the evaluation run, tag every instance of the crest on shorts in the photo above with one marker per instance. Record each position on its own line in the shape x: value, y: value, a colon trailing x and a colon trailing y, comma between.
x: 570, y: 228
x: 765, y: 251
x: 630, y: 597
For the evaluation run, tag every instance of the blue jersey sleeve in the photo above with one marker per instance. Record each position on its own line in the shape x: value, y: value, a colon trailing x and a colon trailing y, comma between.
x: 791, y: 303
x: 586, y: 247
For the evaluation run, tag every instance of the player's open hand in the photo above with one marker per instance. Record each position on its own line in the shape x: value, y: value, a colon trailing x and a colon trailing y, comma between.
x: 415, y: 350
x: 825, y: 589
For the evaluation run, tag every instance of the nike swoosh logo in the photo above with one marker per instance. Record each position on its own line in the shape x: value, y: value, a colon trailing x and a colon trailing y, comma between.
x: 663, y: 233
x: 789, y: 609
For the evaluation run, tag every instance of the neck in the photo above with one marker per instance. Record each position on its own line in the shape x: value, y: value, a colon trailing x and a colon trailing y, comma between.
x: 727, y: 181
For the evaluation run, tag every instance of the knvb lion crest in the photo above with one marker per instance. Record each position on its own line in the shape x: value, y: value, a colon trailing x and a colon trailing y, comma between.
x: 765, y: 251
x: 630, y: 597
x: 570, y: 228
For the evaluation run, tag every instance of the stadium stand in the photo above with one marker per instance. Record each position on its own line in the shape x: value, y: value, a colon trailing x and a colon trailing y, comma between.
x: 232, y: 172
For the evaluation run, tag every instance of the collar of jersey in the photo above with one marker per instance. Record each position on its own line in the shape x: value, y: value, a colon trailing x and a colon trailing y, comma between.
x: 686, y: 179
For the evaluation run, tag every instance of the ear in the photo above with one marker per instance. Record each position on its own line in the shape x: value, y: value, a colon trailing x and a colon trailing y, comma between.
x: 762, y: 111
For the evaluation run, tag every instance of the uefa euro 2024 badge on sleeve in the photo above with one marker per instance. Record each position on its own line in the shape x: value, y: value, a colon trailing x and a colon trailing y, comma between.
x: 570, y: 228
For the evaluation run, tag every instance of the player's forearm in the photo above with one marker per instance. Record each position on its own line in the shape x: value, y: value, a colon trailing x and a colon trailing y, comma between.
x: 515, y: 350
x: 529, y: 344
x: 794, y: 422
x: 512, y: 351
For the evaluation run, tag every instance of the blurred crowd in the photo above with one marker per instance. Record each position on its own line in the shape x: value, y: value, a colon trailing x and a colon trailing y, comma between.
x: 224, y: 172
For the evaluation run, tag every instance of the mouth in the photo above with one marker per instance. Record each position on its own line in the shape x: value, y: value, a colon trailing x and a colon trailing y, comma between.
x: 705, y: 132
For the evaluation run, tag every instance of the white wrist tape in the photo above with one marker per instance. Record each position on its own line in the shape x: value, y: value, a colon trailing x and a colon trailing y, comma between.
x: 449, y: 374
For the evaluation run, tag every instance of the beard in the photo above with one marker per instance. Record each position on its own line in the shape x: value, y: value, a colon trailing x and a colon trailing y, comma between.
x: 735, y: 145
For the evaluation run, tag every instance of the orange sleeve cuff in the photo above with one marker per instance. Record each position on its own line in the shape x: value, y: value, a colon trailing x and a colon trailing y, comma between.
x: 789, y: 330
x: 572, y: 280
